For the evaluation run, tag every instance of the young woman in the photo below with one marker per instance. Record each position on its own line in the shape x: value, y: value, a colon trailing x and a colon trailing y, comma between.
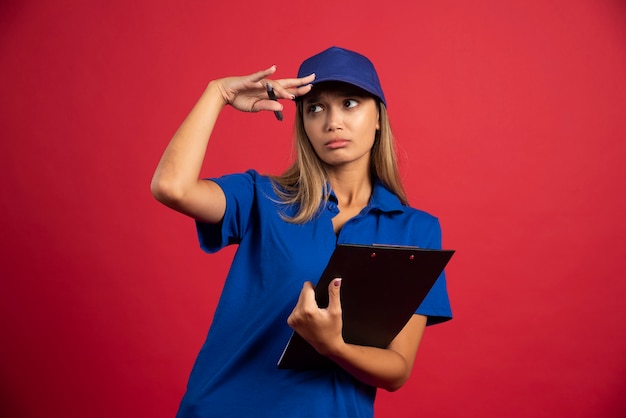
x: 343, y: 187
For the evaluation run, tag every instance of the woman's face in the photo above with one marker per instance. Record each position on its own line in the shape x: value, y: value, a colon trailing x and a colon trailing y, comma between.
x: 341, y: 122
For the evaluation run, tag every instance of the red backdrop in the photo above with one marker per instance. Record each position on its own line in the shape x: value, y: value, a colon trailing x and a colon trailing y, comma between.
x: 510, y: 120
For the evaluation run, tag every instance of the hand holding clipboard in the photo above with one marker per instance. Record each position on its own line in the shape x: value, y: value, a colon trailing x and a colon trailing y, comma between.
x: 382, y: 287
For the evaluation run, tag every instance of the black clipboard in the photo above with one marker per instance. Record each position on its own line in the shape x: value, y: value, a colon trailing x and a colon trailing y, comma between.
x: 382, y: 287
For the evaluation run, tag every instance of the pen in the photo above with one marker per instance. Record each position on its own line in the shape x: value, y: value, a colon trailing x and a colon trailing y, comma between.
x: 272, y: 96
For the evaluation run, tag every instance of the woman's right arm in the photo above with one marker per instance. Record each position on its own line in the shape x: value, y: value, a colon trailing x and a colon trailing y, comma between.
x: 176, y: 181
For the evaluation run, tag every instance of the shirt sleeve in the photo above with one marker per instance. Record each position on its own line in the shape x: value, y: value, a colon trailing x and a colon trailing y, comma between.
x: 239, y: 190
x: 436, y: 305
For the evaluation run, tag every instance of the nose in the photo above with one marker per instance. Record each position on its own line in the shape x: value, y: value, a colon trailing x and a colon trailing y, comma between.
x: 333, y: 119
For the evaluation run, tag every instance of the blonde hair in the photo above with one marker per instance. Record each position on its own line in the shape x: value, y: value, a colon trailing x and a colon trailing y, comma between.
x: 304, y: 183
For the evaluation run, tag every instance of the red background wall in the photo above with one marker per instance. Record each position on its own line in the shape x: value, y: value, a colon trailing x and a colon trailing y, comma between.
x: 510, y: 119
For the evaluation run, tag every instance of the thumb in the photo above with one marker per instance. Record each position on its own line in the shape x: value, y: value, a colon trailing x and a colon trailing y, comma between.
x: 334, y: 294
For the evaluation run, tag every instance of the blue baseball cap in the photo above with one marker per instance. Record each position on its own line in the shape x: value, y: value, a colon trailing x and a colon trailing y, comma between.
x: 338, y: 64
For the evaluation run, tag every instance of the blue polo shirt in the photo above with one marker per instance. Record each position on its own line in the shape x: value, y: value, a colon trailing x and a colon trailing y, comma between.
x: 235, y: 374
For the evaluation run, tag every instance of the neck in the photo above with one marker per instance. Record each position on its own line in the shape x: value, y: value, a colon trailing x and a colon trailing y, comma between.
x: 351, y: 188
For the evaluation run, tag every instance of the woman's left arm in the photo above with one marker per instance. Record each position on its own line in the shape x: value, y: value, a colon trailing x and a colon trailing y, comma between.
x: 387, y: 368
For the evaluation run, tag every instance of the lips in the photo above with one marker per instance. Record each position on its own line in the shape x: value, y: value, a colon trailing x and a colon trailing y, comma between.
x: 337, y: 143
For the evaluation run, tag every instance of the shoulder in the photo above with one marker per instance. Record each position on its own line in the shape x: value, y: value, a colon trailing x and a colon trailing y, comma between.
x: 251, y: 191
x: 247, y: 180
x: 419, y: 215
x: 386, y: 201
x: 425, y: 226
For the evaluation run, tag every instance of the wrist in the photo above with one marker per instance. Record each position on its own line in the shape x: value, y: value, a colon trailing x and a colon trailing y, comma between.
x: 215, y: 90
x: 335, y: 350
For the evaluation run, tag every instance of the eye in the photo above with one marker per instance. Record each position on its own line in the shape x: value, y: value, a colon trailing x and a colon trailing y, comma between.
x: 315, y: 108
x: 350, y: 103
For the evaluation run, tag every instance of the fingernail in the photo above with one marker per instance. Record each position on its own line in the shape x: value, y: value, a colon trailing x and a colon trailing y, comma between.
x: 337, y: 282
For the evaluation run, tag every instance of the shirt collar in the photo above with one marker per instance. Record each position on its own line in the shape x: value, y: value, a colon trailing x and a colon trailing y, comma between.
x: 382, y: 199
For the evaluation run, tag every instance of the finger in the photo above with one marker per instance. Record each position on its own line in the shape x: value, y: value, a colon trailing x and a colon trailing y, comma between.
x: 291, y: 93
x: 296, y: 82
x: 289, y: 88
x: 307, y: 292
x: 304, y: 300
x: 278, y: 91
x: 301, y: 91
x: 270, y: 105
x: 334, y: 295
x: 260, y: 75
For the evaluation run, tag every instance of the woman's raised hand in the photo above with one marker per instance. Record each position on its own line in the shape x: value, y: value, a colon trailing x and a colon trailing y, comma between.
x: 249, y: 93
